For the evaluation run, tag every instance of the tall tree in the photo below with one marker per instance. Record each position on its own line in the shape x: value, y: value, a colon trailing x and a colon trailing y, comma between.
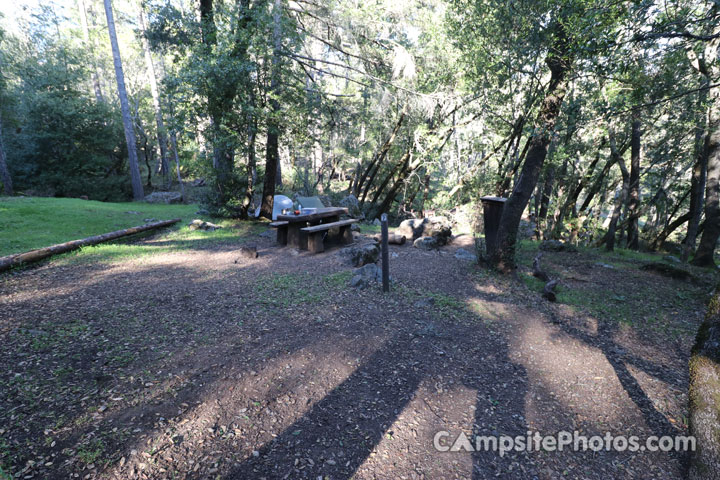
x: 272, y: 152
x: 136, y: 180
x: 559, y: 61
x: 633, y: 239
x: 160, y: 124
x: 86, y: 36
x: 4, y: 172
x: 704, y: 256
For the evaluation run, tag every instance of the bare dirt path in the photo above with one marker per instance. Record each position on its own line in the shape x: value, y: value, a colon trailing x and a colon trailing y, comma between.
x: 188, y: 365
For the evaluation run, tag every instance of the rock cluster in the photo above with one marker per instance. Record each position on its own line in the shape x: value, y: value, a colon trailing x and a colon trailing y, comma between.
x: 359, y: 255
x: 438, y: 228
x: 163, y: 197
x: 198, y: 224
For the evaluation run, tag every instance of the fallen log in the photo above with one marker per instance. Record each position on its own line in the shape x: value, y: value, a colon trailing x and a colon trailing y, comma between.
x: 17, y: 259
x: 393, y: 239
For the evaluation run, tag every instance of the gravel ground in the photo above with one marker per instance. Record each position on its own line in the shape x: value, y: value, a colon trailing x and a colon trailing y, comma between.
x: 190, y: 365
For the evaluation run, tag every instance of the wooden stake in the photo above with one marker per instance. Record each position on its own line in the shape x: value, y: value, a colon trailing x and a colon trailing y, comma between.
x: 385, y: 254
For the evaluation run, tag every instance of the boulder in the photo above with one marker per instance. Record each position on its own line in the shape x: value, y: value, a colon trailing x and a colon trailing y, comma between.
x: 198, y: 224
x: 426, y: 243
x: 365, y: 276
x: 247, y: 251
x: 359, y: 255
x: 353, y: 205
x: 164, y: 197
x: 557, y: 246
x: 437, y: 227
x: 462, y: 254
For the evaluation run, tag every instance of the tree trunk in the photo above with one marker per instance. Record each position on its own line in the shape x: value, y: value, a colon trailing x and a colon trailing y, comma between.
x: 711, y: 232
x: 272, y: 153
x: 362, y: 179
x: 620, y: 200
x: 426, y: 193
x: 136, y: 180
x: 541, y: 221
x: 4, y: 172
x: 559, y: 62
x: 86, y: 35
x: 571, y: 202
x: 161, y: 133
x: 699, y: 175
x: 633, y: 238
x: 251, y: 163
x: 173, y: 143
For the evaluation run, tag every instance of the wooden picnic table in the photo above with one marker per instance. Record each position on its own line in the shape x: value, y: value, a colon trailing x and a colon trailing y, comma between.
x: 296, y: 222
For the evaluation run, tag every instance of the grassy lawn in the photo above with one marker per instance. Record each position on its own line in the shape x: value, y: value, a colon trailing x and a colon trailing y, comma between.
x: 27, y: 223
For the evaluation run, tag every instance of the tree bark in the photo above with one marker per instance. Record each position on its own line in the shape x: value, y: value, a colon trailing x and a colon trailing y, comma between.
x: 698, y: 180
x: 559, y: 62
x: 376, y: 161
x: 620, y: 200
x: 704, y: 256
x: 160, y: 124
x: 272, y: 153
x: 4, y: 172
x: 136, y: 180
x: 633, y: 241
x: 173, y: 144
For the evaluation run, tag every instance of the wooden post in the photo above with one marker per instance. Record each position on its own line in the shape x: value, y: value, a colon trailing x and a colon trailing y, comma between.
x: 385, y: 253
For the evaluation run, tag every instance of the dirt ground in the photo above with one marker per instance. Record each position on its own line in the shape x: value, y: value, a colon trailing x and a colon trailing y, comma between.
x: 189, y: 365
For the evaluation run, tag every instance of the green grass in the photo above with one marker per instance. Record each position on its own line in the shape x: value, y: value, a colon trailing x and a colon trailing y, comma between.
x: 368, y: 229
x: 27, y: 223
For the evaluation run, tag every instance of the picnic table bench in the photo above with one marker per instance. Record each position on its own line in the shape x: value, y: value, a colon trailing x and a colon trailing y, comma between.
x: 317, y: 233
x: 311, y: 230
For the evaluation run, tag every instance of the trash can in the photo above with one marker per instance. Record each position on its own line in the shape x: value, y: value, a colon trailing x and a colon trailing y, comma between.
x: 492, y: 211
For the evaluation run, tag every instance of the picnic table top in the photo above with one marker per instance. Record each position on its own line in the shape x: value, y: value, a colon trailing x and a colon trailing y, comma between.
x: 321, y: 213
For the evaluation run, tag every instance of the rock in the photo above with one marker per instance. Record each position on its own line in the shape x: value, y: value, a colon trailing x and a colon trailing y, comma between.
x: 604, y: 265
x: 436, y: 227
x: 462, y: 254
x: 354, y: 227
x: 365, y: 276
x: 353, y: 205
x: 247, y: 251
x: 150, y: 220
x: 426, y: 243
x: 557, y: 246
x: 198, y: 224
x: 376, y: 222
x: 359, y: 255
x: 425, y: 302
x: 164, y: 197
x: 202, y: 211
x: 672, y: 258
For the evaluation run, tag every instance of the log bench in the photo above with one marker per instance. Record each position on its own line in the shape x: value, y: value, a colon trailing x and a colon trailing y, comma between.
x: 316, y: 234
x: 282, y: 231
